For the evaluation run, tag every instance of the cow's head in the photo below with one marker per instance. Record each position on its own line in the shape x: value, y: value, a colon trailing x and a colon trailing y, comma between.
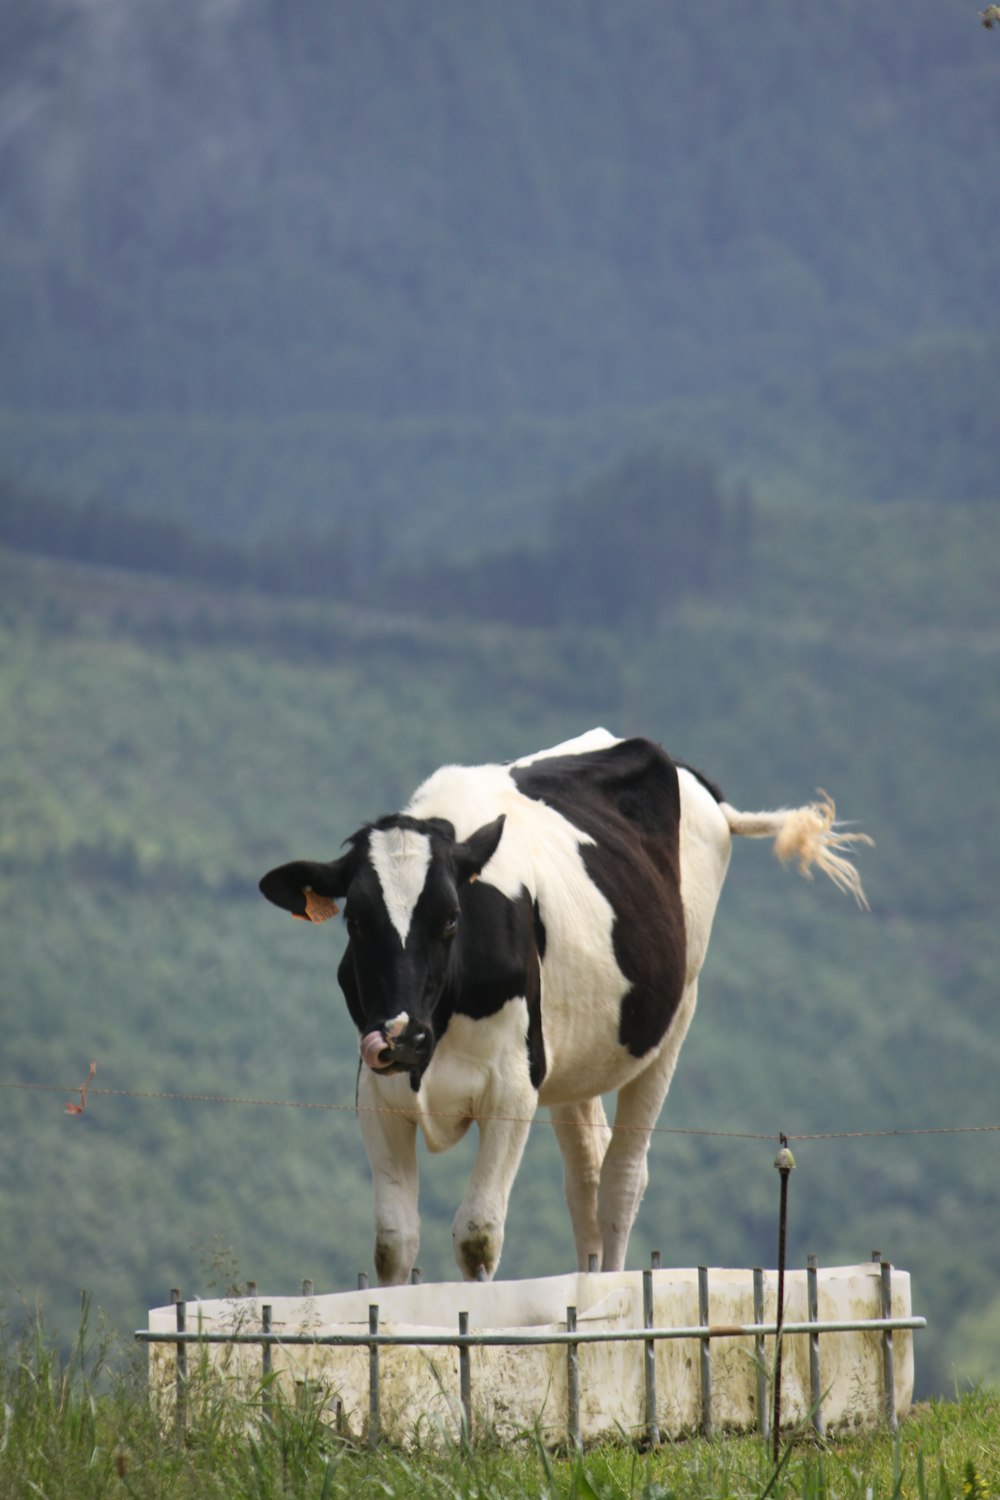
x: 401, y: 882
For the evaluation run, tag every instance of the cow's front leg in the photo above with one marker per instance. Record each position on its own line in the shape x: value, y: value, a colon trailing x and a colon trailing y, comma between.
x: 477, y: 1233
x: 391, y: 1142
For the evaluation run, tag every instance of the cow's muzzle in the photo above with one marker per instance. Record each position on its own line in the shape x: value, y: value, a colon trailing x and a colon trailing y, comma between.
x: 397, y: 1046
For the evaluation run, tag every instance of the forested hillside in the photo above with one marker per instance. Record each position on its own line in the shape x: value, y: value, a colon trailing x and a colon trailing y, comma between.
x: 385, y: 384
x: 165, y: 742
x: 265, y: 264
x: 410, y: 210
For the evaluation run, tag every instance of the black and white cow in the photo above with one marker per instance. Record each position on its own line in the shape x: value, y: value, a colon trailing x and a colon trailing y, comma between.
x: 530, y: 934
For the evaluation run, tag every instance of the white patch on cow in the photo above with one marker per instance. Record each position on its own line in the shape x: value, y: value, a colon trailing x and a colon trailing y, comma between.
x: 705, y: 845
x: 594, y: 739
x: 400, y: 858
x: 469, y: 797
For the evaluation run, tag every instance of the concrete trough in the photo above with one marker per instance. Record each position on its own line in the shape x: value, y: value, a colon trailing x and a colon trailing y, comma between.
x: 711, y: 1378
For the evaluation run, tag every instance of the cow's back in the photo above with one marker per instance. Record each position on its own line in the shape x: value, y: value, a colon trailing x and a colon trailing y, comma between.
x: 593, y: 838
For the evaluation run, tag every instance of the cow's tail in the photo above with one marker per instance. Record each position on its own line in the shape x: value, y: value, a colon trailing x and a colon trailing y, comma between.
x: 808, y: 835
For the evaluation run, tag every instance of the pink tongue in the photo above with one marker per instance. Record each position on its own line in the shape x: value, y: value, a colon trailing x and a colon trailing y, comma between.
x: 373, y: 1044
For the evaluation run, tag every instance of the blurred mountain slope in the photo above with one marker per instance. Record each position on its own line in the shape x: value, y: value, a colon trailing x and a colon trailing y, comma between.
x: 248, y: 207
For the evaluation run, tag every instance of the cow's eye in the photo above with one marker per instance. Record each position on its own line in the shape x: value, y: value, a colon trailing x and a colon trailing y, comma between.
x: 450, y: 927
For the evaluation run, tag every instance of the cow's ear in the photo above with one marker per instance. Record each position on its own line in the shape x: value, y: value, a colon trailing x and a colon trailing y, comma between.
x: 478, y: 848
x: 307, y: 888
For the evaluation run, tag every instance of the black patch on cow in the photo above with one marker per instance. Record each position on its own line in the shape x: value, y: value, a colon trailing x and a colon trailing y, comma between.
x: 626, y: 797
x: 489, y: 963
x: 540, y: 937
x: 496, y: 960
x: 345, y: 978
x: 537, y: 1062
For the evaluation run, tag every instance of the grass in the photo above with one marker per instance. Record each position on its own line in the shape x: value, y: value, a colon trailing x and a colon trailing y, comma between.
x: 86, y: 1426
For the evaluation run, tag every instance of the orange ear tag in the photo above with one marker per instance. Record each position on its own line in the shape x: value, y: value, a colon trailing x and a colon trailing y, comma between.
x: 318, y: 908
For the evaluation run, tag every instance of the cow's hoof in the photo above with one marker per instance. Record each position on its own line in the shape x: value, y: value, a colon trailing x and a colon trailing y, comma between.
x: 478, y: 1252
x: 393, y: 1260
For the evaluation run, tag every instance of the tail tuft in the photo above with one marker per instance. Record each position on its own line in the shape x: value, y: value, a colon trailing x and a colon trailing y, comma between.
x: 808, y: 836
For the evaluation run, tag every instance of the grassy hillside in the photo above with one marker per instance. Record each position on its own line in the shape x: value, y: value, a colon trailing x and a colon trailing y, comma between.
x: 163, y: 744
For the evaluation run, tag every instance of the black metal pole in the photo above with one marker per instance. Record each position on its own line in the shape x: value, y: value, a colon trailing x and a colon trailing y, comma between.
x: 785, y: 1163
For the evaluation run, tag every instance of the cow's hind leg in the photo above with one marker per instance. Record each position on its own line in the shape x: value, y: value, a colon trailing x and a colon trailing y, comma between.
x: 624, y: 1173
x: 583, y: 1135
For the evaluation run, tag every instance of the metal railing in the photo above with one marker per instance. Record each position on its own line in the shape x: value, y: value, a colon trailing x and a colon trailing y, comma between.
x: 704, y: 1332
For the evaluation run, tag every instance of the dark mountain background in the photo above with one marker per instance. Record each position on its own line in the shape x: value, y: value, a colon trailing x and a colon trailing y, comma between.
x: 384, y: 384
x: 292, y: 261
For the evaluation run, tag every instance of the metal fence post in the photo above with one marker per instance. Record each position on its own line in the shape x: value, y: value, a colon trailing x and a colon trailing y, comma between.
x: 812, y: 1313
x: 706, y: 1354
x: 465, y: 1380
x: 180, y: 1354
x: 373, y: 1379
x: 888, y: 1360
x: 763, y: 1413
x: 572, y: 1384
x: 265, y: 1361
x: 649, y: 1347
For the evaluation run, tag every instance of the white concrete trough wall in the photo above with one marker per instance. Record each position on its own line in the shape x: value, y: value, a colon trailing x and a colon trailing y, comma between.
x: 521, y: 1390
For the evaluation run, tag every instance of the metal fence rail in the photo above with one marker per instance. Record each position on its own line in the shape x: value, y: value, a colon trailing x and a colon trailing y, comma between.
x: 462, y: 1340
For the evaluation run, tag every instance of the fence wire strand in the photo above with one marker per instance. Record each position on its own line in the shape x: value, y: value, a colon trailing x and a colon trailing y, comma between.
x: 164, y: 1096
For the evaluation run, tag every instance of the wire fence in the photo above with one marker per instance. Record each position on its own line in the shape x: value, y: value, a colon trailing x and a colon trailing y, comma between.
x: 88, y: 1090
x: 704, y: 1332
